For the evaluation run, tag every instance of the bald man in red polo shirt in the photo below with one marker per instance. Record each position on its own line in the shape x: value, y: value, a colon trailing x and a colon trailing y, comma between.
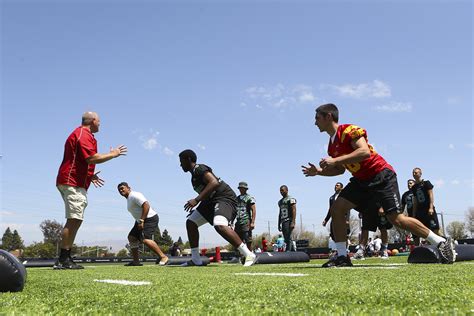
x: 76, y: 173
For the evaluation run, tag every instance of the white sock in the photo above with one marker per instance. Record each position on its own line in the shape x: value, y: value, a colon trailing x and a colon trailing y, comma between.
x: 244, y: 250
x: 341, y: 248
x: 195, y: 255
x: 434, y: 239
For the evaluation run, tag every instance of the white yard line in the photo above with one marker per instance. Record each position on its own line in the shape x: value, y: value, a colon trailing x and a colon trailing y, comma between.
x: 124, y: 282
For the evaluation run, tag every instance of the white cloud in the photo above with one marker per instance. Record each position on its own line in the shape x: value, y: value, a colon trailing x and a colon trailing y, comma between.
x: 243, y: 104
x: 451, y: 146
x: 393, y: 107
x: 471, y: 145
x: 304, y: 93
x: 280, y: 96
x: 150, y: 141
x: 374, y: 89
x: 168, y: 152
x: 439, y: 183
x: 455, y: 182
x: 6, y: 213
x: 202, y: 147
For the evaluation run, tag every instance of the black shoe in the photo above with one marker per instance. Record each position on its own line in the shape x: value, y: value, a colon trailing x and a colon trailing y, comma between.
x: 66, y: 264
x: 191, y: 263
x: 133, y: 264
x: 341, y: 261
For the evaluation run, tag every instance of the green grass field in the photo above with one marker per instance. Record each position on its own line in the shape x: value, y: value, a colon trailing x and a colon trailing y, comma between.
x: 371, y: 287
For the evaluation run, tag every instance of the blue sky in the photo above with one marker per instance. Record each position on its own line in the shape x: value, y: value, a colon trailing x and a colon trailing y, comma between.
x: 238, y: 83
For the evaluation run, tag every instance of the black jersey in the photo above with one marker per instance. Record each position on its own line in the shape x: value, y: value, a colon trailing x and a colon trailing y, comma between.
x: 285, y: 208
x: 407, y: 199
x: 223, y: 191
x: 420, y: 191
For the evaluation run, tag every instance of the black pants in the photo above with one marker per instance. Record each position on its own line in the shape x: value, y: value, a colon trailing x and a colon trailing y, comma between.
x: 286, y: 230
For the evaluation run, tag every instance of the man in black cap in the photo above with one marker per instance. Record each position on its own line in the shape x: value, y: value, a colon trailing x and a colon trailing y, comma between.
x: 246, y: 213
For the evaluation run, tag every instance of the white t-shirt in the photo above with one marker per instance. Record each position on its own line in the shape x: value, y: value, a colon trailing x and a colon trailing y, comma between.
x: 135, y: 201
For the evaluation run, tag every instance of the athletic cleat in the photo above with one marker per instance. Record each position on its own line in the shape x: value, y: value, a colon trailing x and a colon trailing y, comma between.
x: 332, y: 256
x: 163, y: 261
x: 191, y: 263
x: 66, y: 264
x: 359, y: 255
x: 250, y: 260
x: 133, y: 264
x: 384, y: 255
x: 446, y: 251
x: 341, y: 261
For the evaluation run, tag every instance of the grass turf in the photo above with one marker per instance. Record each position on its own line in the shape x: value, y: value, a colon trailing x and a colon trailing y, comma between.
x: 373, y: 286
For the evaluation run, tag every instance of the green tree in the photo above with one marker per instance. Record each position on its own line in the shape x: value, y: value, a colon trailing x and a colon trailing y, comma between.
x: 166, y: 239
x: 40, y: 250
x: 52, y: 231
x: 123, y: 253
x: 17, y: 242
x: 457, y: 230
x: 470, y: 221
x: 7, y: 239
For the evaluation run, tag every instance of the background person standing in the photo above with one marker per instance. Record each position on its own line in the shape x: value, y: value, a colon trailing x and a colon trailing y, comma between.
x: 246, y: 214
x: 287, y: 216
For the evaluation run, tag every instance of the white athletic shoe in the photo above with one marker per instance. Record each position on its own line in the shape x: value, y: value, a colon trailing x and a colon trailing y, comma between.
x: 359, y: 255
x: 446, y: 251
x: 250, y: 260
x: 384, y: 255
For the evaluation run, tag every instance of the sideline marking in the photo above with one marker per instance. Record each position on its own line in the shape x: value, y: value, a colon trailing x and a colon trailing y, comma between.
x: 273, y: 274
x: 124, y: 282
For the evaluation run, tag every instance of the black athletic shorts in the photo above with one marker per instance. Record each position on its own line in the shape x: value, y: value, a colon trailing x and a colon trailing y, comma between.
x: 209, y: 209
x: 244, y: 233
x: 149, y: 227
x: 383, y: 188
x: 371, y: 219
x: 430, y: 221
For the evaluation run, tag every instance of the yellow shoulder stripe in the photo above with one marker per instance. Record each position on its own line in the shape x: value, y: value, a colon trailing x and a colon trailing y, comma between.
x: 353, y: 131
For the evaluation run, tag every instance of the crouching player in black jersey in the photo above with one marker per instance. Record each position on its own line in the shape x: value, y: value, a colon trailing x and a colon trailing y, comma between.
x: 217, y: 206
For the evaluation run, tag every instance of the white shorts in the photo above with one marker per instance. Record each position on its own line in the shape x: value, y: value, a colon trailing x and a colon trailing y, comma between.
x: 75, y: 201
x: 199, y: 220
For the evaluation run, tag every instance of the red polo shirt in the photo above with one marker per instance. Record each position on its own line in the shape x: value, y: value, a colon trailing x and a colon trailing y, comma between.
x: 74, y: 169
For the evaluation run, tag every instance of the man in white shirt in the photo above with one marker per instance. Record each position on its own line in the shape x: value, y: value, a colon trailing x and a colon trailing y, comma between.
x: 146, y: 223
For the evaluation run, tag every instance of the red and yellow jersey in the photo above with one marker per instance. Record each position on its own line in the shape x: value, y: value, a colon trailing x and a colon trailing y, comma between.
x: 367, y: 168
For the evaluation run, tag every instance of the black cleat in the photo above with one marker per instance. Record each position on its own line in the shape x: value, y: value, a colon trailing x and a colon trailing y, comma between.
x: 133, y: 264
x: 341, y: 261
x: 191, y: 263
x: 446, y: 251
x: 66, y: 264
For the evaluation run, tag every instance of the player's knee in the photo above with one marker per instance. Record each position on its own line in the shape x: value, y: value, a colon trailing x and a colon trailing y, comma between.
x: 397, y: 219
x: 220, y: 228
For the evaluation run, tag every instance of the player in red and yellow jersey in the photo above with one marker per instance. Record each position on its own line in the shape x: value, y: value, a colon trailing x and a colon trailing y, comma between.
x: 372, y: 177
